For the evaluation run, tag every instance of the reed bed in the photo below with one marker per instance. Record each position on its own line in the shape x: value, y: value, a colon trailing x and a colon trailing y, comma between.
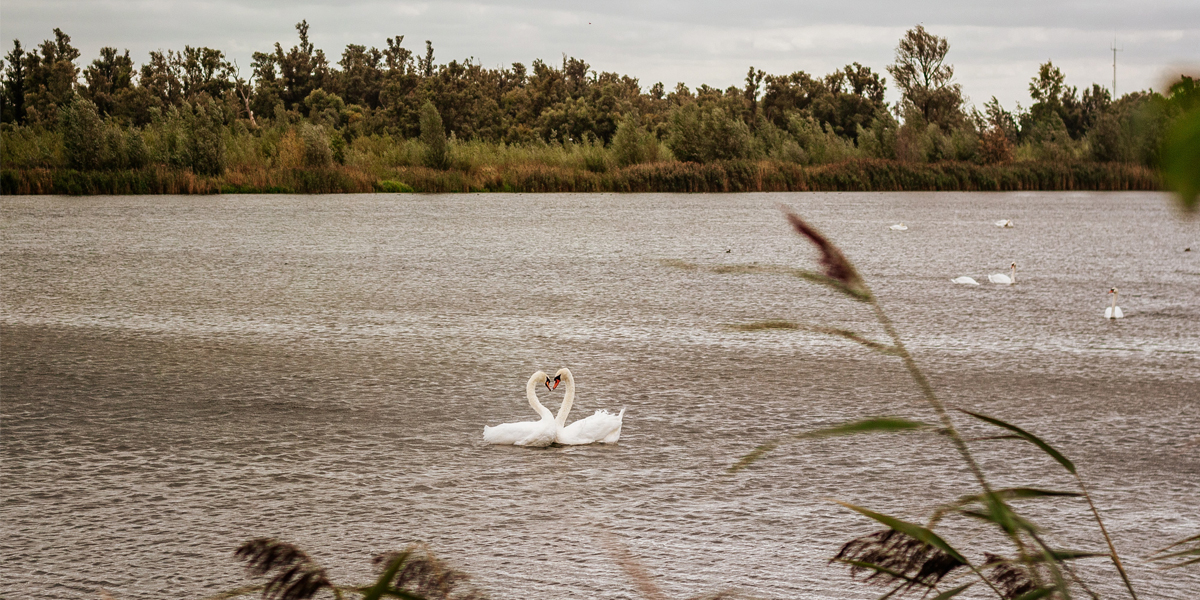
x: 497, y: 168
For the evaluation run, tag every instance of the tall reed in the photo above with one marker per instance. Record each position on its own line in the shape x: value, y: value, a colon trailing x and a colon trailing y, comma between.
x: 912, y: 556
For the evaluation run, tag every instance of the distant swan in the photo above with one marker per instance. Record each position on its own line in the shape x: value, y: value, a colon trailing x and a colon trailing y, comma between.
x: 1003, y: 279
x: 603, y: 427
x: 965, y: 280
x: 1007, y: 223
x: 1114, y: 311
x: 899, y: 227
x: 527, y: 433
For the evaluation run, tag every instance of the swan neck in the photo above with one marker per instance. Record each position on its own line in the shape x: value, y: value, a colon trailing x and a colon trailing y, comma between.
x: 1114, y: 302
x: 531, y: 394
x: 568, y: 400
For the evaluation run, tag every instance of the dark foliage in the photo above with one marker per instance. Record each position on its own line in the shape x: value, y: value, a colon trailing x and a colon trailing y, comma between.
x: 1010, y: 579
x: 917, y: 563
x: 428, y: 576
x: 296, y: 576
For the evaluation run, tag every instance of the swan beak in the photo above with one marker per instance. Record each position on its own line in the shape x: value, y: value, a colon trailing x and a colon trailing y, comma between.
x: 547, y: 384
x: 557, y: 380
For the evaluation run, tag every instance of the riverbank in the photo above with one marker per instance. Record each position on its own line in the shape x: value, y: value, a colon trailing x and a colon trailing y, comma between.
x: 725, y: 176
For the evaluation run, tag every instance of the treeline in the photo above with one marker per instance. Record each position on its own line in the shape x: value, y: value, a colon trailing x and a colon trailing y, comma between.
x: 386, y: 114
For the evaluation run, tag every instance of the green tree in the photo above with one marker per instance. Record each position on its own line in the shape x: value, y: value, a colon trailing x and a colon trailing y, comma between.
x: 433, y: 135
x: 106, y: 77
x: 925, y: 80
x: 83, y: 134
x: 206, y: 144
x: 632, y: 144
x: 50, y: 77
x: 301, y: 70
x: 705, y: 135
x: 203, y: 71
x: 13, y: 109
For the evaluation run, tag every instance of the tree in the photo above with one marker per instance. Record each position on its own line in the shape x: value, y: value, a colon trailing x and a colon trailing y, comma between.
x: 925, y: 80
x: 206, y: 145
x: 50, y: 77
x: 106, y: 76
x: 203, y: 71
x: 301, y: 69
x: 433, y: 136
x: 83, y: 134
x: 14, y: 86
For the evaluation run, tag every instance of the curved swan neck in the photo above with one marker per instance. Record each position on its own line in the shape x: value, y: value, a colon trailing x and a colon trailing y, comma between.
x: 1014, y: 273
x: 568, y: 399
x: 1114, y: 302
x: 531, y: 394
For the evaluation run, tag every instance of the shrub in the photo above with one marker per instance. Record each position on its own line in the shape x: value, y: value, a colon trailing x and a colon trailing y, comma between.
x: 83, y: 134
x: 632, y: 145
x: 206, y: 145
x: 389, y: 186
x: 433, y: 135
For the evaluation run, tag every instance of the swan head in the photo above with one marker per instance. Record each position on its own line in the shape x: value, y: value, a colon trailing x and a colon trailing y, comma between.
x: 1112, y: 290
x: 558, y: 376
x: 540, y: 377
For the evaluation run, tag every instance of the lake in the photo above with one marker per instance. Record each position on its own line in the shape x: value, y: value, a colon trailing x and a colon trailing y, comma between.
x: 181, y: 374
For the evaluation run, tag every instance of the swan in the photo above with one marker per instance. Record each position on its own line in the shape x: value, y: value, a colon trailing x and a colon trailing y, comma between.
x: 1003, y: 279
x: 1114, y: 311
x: 527, y: 433
x: 899, y: 227
x: 1006, y: 223
x: 603, y: 427
x: 965, y: 280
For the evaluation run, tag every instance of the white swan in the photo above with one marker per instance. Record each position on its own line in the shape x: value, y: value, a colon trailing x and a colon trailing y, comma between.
x: 1003, y: 279
x: 1007, y: 223
x: 899, y: 227
x: 603, y: 427
x: 1114, y: 311
x: 527, y: 433
x: 965, y: 280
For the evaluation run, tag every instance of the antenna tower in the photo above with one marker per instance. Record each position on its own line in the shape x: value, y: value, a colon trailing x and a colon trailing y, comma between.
x: 1115, y: 50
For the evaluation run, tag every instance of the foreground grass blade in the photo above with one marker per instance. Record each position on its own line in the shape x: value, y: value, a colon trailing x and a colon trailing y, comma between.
x: 1029, y: 437
x: 946, y: 595
x: 911, y: 529
x: 1020, y: 493
x: 875, y: 424
x: 1035, y: 594
x: 1163, y: 554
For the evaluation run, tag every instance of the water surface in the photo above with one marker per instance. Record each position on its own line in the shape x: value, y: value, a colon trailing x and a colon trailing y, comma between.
x: 180, y: 374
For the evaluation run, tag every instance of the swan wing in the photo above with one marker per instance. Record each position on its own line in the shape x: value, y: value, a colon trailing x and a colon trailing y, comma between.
x: 965, y: 280
x: 1002, y: 279
x: 509, y: 433
x: 601, y: 427
x: 1117, y: 313
x: 1113, y: 312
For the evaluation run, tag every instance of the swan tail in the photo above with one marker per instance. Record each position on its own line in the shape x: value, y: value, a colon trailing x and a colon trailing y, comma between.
x: 621, y: 415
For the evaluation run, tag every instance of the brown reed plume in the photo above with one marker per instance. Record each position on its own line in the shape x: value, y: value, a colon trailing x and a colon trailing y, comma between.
x: 297, y: 577
x: 889, y: 556
x: 424, y: 574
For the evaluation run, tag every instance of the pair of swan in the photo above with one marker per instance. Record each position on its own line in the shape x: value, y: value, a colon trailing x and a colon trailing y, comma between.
x: 998, y: 278
x: 602, y: 427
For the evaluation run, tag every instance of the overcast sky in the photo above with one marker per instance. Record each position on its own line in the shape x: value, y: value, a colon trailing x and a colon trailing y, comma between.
x: 995, y: 49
